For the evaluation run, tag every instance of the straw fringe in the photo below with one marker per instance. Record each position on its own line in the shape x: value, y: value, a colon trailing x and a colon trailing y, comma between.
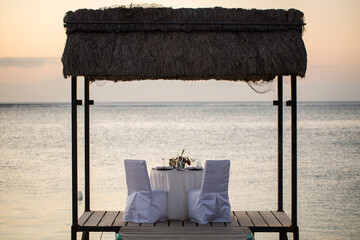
x: 124, y: 52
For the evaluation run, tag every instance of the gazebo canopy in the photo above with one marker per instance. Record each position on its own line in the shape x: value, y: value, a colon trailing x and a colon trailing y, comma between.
x: 123, y: 44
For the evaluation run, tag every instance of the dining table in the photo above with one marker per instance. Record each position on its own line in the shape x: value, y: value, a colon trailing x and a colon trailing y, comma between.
x: 177, y: 183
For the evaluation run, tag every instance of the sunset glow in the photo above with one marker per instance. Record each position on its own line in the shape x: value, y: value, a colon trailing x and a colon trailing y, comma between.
x: 34, y: 29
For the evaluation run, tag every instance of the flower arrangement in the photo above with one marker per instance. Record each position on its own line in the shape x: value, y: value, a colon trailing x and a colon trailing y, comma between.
x: 180, y: 161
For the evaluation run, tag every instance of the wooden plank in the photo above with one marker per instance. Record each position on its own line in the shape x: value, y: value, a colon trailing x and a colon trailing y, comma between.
x: 95, y: 218
x: 187, y: 223
x: 218, y: 224
x: 243, y: 219
x: 229, y: 231
x: 109, y: 218
x: 204, y: 225
x: 174, y: 223
x: 147, y: 225
x: 119, y: 220
x: 270, y: 219
x: 256, y: 219
x: 132, y: 224
x: 84, y: 217
x: 162, y: 224
x: 172, y: 237
x: 283, y: 218
x: 185, y: 233
x: 234, y: 222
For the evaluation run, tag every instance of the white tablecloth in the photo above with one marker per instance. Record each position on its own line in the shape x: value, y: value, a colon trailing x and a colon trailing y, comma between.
x: 177, y: 183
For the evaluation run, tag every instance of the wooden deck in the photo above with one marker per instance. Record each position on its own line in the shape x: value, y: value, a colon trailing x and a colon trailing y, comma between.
x: 242, y: 223
x: 185, y: 233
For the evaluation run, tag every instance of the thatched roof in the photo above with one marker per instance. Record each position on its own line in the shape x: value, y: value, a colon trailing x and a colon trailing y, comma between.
x: 124, y: 44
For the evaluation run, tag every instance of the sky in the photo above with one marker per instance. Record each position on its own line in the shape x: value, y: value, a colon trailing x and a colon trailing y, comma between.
x: 32, y: 39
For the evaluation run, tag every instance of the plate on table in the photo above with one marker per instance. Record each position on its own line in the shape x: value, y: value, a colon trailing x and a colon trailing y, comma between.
x: 163, y: 168
x: 194, y: 168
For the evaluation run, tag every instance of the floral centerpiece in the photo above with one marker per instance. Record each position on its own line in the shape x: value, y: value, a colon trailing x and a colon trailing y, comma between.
x: 180, y: 161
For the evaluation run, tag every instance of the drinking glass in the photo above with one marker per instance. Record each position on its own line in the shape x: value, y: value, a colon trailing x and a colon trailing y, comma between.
x: 198, y: 163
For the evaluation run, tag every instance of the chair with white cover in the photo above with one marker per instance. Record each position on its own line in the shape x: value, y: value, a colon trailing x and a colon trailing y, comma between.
x: 142, y: 205
x: 211, y: 203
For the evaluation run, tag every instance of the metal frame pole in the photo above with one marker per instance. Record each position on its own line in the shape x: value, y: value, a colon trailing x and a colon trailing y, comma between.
x: 280, y: 143
x: 294, y: 156
x: 74, y: 103
x: 279, y: 103
x: 87, y: 142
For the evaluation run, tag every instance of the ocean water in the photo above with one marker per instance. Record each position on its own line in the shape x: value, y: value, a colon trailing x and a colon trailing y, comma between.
x: 35, y: 160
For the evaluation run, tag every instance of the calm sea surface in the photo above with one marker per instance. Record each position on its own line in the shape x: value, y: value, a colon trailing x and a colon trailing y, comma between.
x: 35, y: 160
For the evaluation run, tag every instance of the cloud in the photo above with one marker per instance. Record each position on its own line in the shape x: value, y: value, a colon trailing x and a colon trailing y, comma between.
x: 29, y: 69
x: 27, y: 62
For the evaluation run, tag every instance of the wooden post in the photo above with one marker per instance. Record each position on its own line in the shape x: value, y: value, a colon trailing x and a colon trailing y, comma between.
x: 294, y: 157
x: 74, y: 104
